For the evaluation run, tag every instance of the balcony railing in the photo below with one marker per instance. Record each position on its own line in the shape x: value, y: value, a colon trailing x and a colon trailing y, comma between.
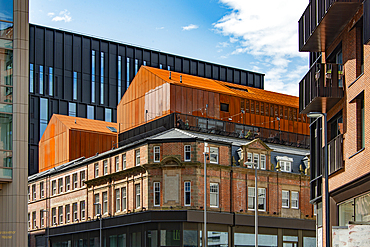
x: 323, y: 20
x: 335, y: 154
x: 323, y: 84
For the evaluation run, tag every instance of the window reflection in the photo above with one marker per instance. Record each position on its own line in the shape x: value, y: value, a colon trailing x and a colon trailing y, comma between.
x: 6, y: 30
x: 43, y: 115
x: 6, y: 10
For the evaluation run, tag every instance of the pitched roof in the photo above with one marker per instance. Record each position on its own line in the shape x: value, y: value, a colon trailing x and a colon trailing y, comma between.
x: 225, y: 87
x: 87, y: 124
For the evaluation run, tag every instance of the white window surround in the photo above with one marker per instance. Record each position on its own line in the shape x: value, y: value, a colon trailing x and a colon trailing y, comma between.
x: 294, y: 199
x: 254, y: 158
x: 157, y: 194
x: 157, y: 153
x: 261, y: 198
x: 213, y: 153
x: 285, y: 163
x: 214, y: 195
x: 187, y: 153
x: 285, y: 199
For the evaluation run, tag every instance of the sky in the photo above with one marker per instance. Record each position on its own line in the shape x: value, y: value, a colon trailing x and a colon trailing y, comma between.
x: 259, y: 36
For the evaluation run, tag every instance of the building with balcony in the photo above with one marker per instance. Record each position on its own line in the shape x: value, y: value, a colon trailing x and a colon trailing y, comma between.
x: 149, y: 192
x: 336, y: 33
x: 85, y: 76
x: 13, y: 122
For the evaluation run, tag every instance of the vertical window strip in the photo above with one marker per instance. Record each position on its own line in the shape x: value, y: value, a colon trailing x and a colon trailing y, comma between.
x: 157, y: 194
x: 31, y: 78
x: 157, y: 154
x: 136, y: 66
x: 118, y: 200
x: 137, y: 191
x: 43, y: 115
x: 119, y: 78
x: 93, y: 76
x: 213, y: 195
x: 124, y: 196
x: 127, y: 73
x: 75, y: 85
x: 102, y: 78
x: 51, y: 82
x: 41, y: 86
x: 187, y: 192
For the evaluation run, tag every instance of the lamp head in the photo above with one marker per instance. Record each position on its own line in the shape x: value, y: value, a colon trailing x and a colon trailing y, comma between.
x: 315, y: 114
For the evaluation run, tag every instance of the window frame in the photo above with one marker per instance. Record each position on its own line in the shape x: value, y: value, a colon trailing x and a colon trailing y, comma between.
x: 210, y: 155
x: 60, y: 185
x: 34, y: 220
x: 187, y: 151
x: 124, y: 198
x: 53, y: 187
x: 74, y: 181
x: 285, y: 199
x: 82, y: 178
x: 116, y: 159
x: 117, y: 200
x: 53, y: 216
x: 68, y: 213
x: 34, y: 192
x: 75, y: 212
x: 137, y: 196
x: 67, y: 181
x: 105, y: 167
x: 294, y: 200
x: 82, y: 210
x: 157, y: 191
x: 123, y: 161
x: 42, y: 191
x: 137, y: 157
x: 60, y: 215
x: 105, y: 202
x: 187, y: 193
x: 263, y: 162
x: 215, y: 193
x: 96, y: 170
x: 156, y: 150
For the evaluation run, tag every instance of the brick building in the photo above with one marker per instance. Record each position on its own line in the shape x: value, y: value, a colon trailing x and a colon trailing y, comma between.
x: 150, y: 193
x: 337, y: 35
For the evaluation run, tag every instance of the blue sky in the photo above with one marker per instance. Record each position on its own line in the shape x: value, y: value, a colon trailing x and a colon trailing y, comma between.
x: 259, y: 36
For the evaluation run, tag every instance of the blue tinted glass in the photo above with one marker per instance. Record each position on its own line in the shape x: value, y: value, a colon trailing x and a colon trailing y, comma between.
x: 75, y: 85
x: 43, y: 115
x: 93, y: 76
x: 160, y: 66
x: 90, y: 112
x: 51, y: 84
x: 108, y: 115
x: 41, y: 79
x: 102, y: 78
x: 6, y: 10
x: 136, y: 66
x: 72, y: 109
x: 31, y: 78
x: 128, y: 73
x: 6, y: 30
x: 119, y: 77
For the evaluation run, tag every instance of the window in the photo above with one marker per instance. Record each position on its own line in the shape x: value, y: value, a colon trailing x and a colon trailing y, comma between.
x: 123, y: 161
x: 118, y: 200
x: 72, y: 109
x: 168, y: 68
x: 261, y: 199
x: 263, y: 161
x: 213, y: 153
x: 42, y: 222
x: 51, y: 84
x: 60, y: 213
x: 105, y: 202
x: 249, y: 160
x: 101, y: 77
x: 213, y: 196
x: 295, y: 199
x: 187, y: 193
x: 124, y: 199
x: 54, y: 216
x: 74, y: 208
x: 127, y: 72
x: 105, y: 165
x: 108, y: 115
x: 117, y: 163
x: 137, y: 193
x: 93, y: 76
x: 29, y: 221
x: 119, y: 76
x: 144, y: 63
x: 160, y: 66
x: 68, y: 183
x: 285, y: 163
x: 75, y: 181
x: 60, y: 185
x: 187, y: 150
x: 74, y: 89
x: 41, y: 86
x: 42, y: 189
x: 137, y: 157
x: 96, y: 170
x: 157, y: 154
x: 157, y: 194
x: 54, y: 187
x: 43, y: 115
x: 256, y: 160
x: 68, y: 213
x: 34, y: 192
x: 29, y: 194
x: 97, y: 204
x: 285, y: 199
x: 31, y: 78
x: 34, y: 220
x: 82, y: 179
x: 90, y: 112
x: 82, y: 210
x: 136, y: 66
x: 360, y: 121
x: 224, y: 107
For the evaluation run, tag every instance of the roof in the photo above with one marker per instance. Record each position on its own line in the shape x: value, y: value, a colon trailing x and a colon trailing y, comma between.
x: 87, y: 124
x: 224, y: 87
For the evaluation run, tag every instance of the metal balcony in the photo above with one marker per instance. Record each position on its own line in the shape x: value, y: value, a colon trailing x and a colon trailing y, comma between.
x: 335, y: 154
x: 322, y: 22
x: 321, y: 87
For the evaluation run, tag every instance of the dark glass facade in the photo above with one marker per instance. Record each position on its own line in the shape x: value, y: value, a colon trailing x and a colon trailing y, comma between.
x: 67, y: 67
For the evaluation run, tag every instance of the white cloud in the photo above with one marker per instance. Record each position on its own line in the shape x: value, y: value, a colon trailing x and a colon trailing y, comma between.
x: 159, y: 28
x: 189, y: 27
x: 64, y: 15
x: 269, y: 32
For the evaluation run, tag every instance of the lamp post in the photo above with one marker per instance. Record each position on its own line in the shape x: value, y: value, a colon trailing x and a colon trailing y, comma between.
x: 205, y: 193
x: 255, y: 206
x: 47, y: 225
x: 316, y: 115
x: 100, y: 218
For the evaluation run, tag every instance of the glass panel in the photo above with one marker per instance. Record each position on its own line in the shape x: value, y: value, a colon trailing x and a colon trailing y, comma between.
x: 108, y: 115
x: 309, y: 242
x: 121, y: 240
x: 128, y: 72
x: 190, y: 238
x: 113, y: 241
x: 93, y: 76
x: 6, y: 30
x: 51, y: 84
x: 4, y: 43
x: 6, y: 94
x: 6, y: 130
x: 6, y: 67
x: 43, y: 115
x: 136, y: 239
x: 31, y: 78
x: 72, y: 109
x: 170, y: 238
x: 6, y: 173
x: 346, y: 212
x: 41, y: 84
x: 119, y: 78
x: 217, y: 238
x: 6, y: 10
x: 152, y: 238
x: 362, y: 208
x: 75, y: 85
x: 102, y: 78
x: 90, y: 112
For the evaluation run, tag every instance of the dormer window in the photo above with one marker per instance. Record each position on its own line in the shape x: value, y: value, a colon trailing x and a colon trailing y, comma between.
x: 285, y: 163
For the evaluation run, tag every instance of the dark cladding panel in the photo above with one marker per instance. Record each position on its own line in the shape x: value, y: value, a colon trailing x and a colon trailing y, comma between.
x: 146, y: 57
x: 49, y: 48
x: 68, y: 52
x: 113, y: 62
x: 154, y: 61
x: 63, y: 107
x: 67, y: 89
x: 186, y: 66
x: 95, y: 45
x: 171, y: 61
x: 33, y: 160
x: 257, y: 81
x: 130, y: 52
x: 139, y: 54
x: 250, y: 80
x: 77, y: 54
x: 208, y: 71
x: 54, y: 106
x: 58, y: 59
x: 193, y: 67
x: 86, y: 85
x: 178, y: 64
x: 114, y: 118
x: 113, y: 95
x: 163, y: 60
x: 201, y: 69
x: 237, y: 76
x: 81, y: 110
x: 99, y: 113
x: 222, y: 74
x: 216, y: 72
x: 86, y: 55
x: 58, y: 83
x: 39, y: 45
x: 32, y: 44
x: 229, y: 75
x: 104, y: 46
x: 243, y: 78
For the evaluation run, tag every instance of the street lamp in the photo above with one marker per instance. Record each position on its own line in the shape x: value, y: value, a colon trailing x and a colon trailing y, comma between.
x: 100, y: 218
x: 317, y: 115
x: 206, y: 151
x: 47, y: 225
